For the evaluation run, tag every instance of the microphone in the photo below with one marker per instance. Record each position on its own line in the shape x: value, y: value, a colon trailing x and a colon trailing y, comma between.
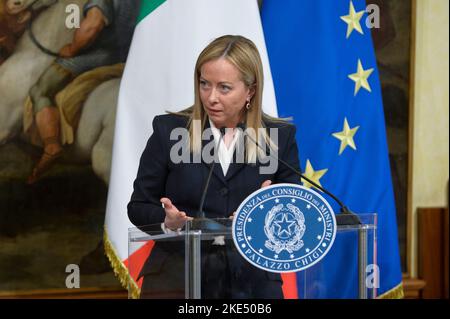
x: 348, y: 217
x: 201, y: 213
x: 201, y: 222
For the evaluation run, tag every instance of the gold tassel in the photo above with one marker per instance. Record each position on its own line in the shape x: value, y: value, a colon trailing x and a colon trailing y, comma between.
x: 119, y: 268
x: 394, y: 293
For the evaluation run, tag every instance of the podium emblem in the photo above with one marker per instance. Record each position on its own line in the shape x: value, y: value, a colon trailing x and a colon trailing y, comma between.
x: 284, y: 228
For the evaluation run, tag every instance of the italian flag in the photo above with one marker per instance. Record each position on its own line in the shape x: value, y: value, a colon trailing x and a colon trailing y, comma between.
x: 158, y: 76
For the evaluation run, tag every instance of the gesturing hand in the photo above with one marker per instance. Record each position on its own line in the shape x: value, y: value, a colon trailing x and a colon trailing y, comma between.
x: 174, y: 218
x: 266, y: 183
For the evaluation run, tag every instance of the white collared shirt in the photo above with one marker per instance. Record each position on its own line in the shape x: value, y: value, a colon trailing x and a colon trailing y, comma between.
x: 225, y: 154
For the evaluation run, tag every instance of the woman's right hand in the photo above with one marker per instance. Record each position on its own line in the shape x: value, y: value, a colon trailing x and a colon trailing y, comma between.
x: 174, y: 218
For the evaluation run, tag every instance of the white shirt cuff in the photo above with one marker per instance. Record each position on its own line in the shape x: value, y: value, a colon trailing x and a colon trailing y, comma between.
x: 169, y: 231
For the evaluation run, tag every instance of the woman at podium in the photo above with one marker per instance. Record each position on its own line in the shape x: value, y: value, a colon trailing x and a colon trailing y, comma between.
x: 177, y: 179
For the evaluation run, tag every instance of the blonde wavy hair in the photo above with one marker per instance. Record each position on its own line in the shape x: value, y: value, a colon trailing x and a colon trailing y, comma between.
x: 244, y: 55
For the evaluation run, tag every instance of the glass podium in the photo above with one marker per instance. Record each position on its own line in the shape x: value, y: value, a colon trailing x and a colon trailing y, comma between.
x: 169, y: 265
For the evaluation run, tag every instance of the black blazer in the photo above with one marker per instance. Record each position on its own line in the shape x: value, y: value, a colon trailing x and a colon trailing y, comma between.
x: 183, y: 183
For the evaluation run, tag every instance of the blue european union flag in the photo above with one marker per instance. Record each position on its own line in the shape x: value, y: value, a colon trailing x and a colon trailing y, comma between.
x: 325, y: 75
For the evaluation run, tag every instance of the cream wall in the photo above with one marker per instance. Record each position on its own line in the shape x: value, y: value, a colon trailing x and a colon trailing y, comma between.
x: 430, y: 130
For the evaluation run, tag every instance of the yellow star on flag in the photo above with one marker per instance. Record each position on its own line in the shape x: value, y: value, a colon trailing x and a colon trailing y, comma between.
x: 313, y: 175
x: 360, y: 78
x: 352, y: 20
x: 346, y: 136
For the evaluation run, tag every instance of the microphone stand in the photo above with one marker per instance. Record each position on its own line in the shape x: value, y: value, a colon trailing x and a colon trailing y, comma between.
x: 347, y: 217
x: 194, y: 231
x: 201, y: 222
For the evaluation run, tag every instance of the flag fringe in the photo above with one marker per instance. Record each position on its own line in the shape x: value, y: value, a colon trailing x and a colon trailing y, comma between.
x: 394, y: 293
x: 120, y: 270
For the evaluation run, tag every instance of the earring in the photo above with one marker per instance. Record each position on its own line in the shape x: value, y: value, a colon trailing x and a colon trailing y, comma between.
x: 247, y: 106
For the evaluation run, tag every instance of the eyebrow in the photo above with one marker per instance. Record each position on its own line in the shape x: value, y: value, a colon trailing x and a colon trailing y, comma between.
x: 223, y: 82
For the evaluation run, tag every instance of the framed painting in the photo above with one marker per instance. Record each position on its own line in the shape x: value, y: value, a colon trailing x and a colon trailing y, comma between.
x: 57, y: 116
